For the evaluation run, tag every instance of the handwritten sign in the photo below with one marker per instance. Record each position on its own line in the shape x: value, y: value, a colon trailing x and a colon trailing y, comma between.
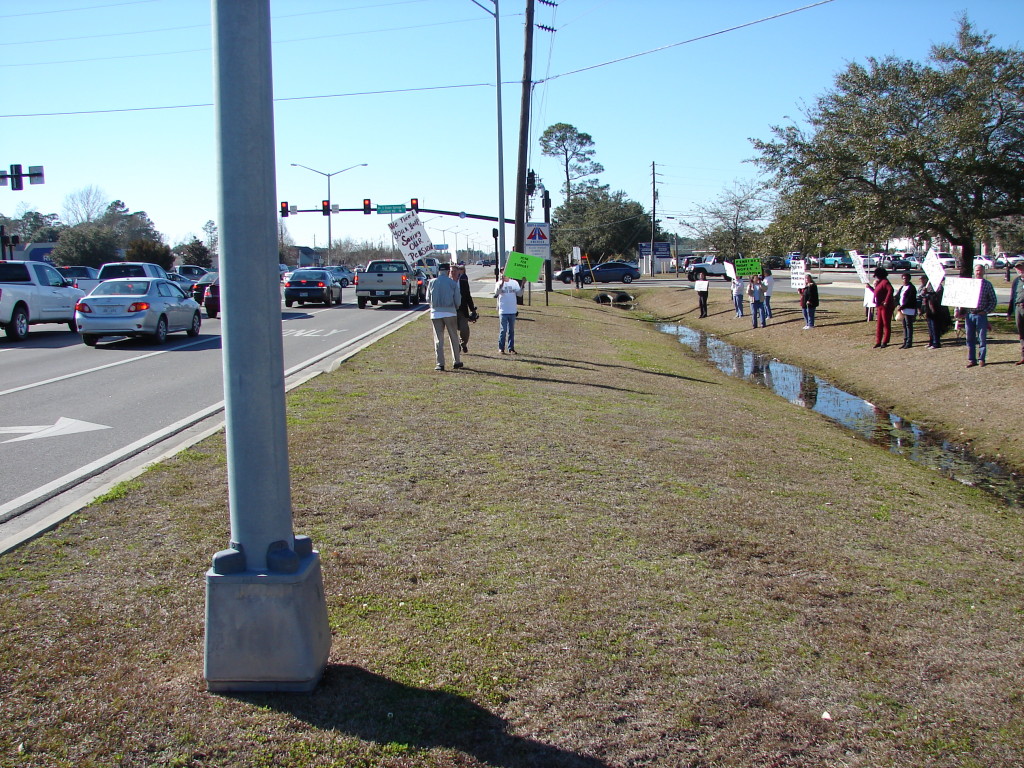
x: 862, y: 273
x: 523, y: 266
x: 701, y: 286
x: 747, y: 267
x: 962, y: 292
x: 797, y: 274
x: 730, y: 269
x: 934, y: 269
x: 411, y: 238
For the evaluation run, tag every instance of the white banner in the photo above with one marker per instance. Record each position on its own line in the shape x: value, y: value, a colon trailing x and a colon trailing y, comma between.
x: 962, y: 292
x: 797, y: 274
x: 411, y: 238
x: 858, y: 264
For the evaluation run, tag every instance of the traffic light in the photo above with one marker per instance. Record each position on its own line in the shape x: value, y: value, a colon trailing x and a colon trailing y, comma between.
x: 17, y: 178
x: 284, y: 210
x: 531, y: 183
x: 415, y: 204
x: 325, y: 206
x: 367, y: 208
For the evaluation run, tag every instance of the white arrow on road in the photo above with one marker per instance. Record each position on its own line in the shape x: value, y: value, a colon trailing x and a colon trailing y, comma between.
x: 64, y: 426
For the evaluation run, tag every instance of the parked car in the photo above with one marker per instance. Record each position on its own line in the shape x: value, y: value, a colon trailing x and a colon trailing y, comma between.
x: 313, y: 286
x: 899, y: 265
x: 946, y: 259
x: 611, y: 270
x: 837, y: 259
x: 984, y: 261
x: 148, y: 307
x: 342, y: 274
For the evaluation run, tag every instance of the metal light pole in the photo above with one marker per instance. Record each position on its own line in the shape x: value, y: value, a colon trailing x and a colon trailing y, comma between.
x: 328, y: 175
x: 500, y: 229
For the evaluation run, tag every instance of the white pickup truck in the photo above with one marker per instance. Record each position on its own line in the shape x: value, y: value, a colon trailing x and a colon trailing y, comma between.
x: 32, y: 292
x: 387, y: 280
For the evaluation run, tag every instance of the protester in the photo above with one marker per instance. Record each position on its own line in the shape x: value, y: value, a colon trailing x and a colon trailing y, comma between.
x: 869, y: 304
x: 907, y: 302
x: 935, y: 315
x: 702, y: 297
x: 506, y: 291
x: 769, y: 285
x: 884, y: 303
x: 809, y: 301
x: 756, y: 293
x: 444, y: 298
x: 577, y: 274
x: 738, y: 288
x: 467, y: 309
x: 1016, y: 307
x: 976, y: 323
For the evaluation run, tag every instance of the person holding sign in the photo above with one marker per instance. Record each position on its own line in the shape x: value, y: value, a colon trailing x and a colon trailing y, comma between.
x: 885, y: 301
x: 809, y: 301
x: 444, y: 298
x: 1016, y: 307
x: 769, y: 285
x: 756, y: 293
x: 738, y: 288
x: 702, y: 287
x: 506, y: 291
x: 907, y: 300
x: 977, y: 320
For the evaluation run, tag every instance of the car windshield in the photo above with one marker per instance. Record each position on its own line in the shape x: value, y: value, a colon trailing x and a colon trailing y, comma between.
x: 122, y: 288
x: 307, y: 275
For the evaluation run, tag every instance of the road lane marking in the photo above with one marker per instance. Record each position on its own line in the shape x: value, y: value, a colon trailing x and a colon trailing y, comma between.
x: 64, y: 426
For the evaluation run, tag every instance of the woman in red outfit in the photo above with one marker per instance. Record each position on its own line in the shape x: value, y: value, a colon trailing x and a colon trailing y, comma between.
x: 884, y: 301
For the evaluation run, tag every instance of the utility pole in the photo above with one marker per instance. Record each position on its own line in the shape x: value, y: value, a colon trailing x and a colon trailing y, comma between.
x: 524, y: 132
x: 654, y: 208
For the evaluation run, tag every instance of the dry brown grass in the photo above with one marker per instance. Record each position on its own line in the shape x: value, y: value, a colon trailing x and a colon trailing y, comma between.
x: 549, y: 560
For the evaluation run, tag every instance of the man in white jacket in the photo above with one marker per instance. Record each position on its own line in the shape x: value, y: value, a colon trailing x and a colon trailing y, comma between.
x: 444, y: 297
x: 506, y: 291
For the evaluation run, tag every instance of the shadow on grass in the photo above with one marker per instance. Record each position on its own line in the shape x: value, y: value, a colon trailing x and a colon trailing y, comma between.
x: 358, y: 703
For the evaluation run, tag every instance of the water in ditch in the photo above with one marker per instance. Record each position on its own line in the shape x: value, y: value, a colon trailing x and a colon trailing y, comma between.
x: 867, y: 420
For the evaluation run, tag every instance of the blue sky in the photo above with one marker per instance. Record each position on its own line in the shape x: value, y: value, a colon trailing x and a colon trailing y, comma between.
x: 114, y: 93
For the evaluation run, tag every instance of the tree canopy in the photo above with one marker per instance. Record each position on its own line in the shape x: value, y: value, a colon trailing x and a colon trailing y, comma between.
x: 929, y: 148
x: 601, y: 223
x: 575, y: 151
x: 732, y: 224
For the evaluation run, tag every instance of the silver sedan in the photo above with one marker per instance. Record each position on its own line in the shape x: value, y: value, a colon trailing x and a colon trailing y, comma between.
x: 136, y: 306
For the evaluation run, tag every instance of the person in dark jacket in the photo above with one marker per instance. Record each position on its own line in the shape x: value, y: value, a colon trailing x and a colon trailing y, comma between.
x: 809, y: 301
x: 884, y: 304
x: 1016, y: 306
x: 907, y: 302
x: 935, y: 315
x: 467, y: 309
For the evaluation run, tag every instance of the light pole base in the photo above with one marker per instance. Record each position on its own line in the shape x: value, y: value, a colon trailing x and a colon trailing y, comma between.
x: 266, y: 631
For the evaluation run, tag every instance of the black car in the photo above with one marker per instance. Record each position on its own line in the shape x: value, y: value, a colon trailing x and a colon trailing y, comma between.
x: 199, y: 292
x: 565, y: 275
x: 609, y: 271
x: 312, y: 285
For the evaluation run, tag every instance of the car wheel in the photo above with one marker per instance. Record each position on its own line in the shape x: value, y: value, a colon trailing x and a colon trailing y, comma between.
x: 17, y: 329
x: 587, y: 279
x: 72, y: 326
x: 566, y: 279
x: 344, y: 282
x: 160, y: 334
x: 627, y: 278
x: 197, y: 323
x: 90, y: 339
x: 406, y: 301
x: 288, y: 302
x: 328, y: 298
x: 361, y: 302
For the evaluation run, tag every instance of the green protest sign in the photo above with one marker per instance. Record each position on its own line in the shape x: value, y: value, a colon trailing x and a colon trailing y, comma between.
x: 747, y: 267
x: 522, y: 266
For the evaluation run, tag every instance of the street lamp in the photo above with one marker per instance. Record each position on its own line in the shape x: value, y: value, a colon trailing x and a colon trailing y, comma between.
x: 328, y: 175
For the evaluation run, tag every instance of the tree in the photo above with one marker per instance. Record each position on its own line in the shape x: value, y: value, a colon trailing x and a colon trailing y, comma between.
x: 129, y: 226
x: 575, y: 150
x: 601, y: 223
x: 732, y: 224
x: 87, y: 245
x: 932, y: 148
x: 85, y: 205
x: 195, y: 252
x: 212, y: 236
x: 34, y: 227
x: 152, y: 252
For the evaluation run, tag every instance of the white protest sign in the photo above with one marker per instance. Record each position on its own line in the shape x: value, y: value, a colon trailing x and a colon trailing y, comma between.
x: 962, y: 292
x: 934, y: 269
x: 797, y: 274
x: 730, y: 270
x: 701, y: 285
x: 869, y: 296
x: 858, y: 264
x: 576, y: 254
x: 411, y: 237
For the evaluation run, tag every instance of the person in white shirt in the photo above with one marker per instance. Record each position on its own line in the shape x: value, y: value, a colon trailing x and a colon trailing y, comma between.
x: 506, y: 291
x: 444, y: 297
x: 769, y: 285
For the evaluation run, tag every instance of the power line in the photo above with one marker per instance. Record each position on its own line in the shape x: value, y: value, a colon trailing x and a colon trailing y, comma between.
x: 70, y: 10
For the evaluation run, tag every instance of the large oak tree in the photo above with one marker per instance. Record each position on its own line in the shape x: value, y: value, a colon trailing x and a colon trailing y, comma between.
x: 931, y: 148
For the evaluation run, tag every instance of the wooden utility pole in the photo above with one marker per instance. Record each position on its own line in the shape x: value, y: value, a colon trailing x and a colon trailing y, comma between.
x: 524, y: 132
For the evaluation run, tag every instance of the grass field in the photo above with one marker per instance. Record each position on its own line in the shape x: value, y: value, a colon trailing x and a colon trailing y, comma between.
x: 600, y: 552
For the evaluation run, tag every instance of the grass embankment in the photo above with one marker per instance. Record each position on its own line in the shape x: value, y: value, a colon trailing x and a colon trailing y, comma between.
x: 979, y: 407
x: 600, y: 553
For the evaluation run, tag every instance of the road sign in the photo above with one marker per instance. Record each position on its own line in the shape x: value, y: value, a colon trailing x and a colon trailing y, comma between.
x: 391, y: 208
x: 661, y: 250
x: 538, y: 240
